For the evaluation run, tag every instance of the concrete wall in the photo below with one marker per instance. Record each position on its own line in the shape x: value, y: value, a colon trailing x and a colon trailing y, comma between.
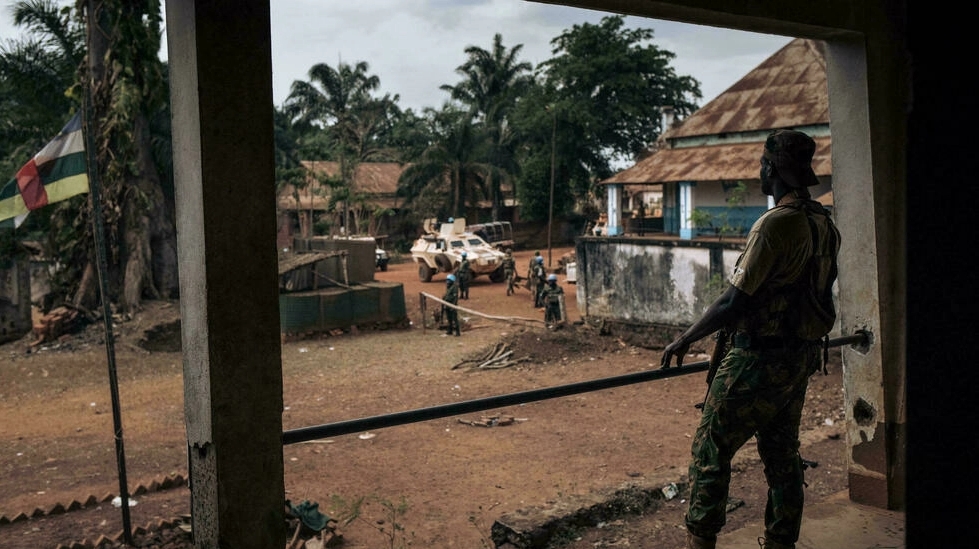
x: 361, y: 263
x: 646, y: 290
x: 650, y: 282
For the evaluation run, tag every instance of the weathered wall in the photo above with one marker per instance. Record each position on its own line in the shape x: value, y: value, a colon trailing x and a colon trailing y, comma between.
x: 363, y: 305
x: 360, y: 264
x: 650, y: 282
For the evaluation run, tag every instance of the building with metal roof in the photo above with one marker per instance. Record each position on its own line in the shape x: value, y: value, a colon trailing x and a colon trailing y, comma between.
x: 707, y: 164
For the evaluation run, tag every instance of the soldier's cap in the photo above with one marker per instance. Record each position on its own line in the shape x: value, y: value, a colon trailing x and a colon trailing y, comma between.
x: 791, y: 152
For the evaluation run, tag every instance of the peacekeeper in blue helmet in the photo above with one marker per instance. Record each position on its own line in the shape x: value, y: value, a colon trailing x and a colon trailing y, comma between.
x: 553, y: 294
x: 451, y: 314
x: 539, y: 276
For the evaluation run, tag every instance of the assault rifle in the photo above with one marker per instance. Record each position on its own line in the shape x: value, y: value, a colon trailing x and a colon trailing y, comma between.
x: 720, y: 349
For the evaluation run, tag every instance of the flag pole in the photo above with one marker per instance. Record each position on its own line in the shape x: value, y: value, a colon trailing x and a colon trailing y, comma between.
x: 98, y: 226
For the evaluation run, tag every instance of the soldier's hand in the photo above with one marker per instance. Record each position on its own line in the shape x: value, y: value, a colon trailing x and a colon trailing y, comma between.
x: 678, y: 349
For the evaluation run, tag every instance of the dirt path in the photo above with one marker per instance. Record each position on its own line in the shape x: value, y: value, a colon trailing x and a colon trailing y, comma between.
x: 444, y: 481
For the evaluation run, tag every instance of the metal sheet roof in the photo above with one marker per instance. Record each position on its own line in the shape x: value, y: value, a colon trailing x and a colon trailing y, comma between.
x: 786, y: 90
x: 369, y: 177
x: 731, y: 162
x: 378, y: 180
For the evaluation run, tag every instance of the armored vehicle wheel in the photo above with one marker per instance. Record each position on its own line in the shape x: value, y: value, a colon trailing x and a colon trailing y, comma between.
x: 444, y: 263
x: 497, y: 275
x: 425, y: 272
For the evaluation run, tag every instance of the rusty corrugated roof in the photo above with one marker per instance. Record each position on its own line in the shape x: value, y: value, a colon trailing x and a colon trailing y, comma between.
x: 377, y: 179
x: 370, y: 177
x: 731, y: 162
x: 786, y: 90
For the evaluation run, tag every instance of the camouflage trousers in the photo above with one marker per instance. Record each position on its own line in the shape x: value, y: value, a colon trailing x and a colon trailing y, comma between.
x: 761, y: 394
x: 552, y: 312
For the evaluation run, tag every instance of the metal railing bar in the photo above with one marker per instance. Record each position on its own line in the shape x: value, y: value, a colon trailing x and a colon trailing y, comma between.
x: 305, y: 434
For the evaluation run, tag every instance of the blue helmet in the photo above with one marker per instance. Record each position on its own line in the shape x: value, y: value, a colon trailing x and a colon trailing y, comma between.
x: 552, y: 278
x: 452, y: 220
x: 540, y: 260
x: 464, y: 254
x: 450, y: 278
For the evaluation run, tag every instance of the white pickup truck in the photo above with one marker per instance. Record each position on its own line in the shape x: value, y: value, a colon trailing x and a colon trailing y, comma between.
x: 439, y: 250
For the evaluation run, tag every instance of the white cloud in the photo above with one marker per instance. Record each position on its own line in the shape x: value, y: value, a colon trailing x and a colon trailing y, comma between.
x: 414, y: 46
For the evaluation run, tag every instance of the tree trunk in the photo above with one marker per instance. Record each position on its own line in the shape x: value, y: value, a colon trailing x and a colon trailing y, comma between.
x: 143, y: 235
x: 86, y: 296
x: 149, y: 240
x: 87, y: 293
x: 494, y: 196
x: 459, y: 200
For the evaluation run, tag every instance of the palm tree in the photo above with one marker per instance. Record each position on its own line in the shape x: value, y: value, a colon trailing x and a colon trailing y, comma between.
x: 36, y: 74
x: 450, y: 171
x: 493, y: 82
x: 339, y: 101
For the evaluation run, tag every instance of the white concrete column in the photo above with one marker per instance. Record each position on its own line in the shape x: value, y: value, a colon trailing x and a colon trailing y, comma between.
x: 614, y: 210
x: 685, y: 195
x: 221, y: 96
x: 871, y: 280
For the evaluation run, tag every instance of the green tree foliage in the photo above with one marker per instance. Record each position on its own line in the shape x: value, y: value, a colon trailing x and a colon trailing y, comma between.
x: 546, y: 147
x: 129, y: 91
x: 607, y: 84
x: 451, y: 172
x: 44, y: 78
x: 36, y: 78
x: 289, y: 171
x: 37, y: 93
x: 493, y: 82
x: 336, y: 112
x: 597, y: 101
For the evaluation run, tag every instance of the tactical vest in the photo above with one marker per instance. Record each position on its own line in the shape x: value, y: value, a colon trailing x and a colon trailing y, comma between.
x: 812, y: 312
x: 802, y: 309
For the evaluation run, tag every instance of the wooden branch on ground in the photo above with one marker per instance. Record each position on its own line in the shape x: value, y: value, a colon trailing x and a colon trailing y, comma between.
x: 499, y: 357
x: 492, y: 421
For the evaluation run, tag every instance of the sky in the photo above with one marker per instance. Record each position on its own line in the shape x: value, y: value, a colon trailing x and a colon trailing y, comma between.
x: 414, y: 46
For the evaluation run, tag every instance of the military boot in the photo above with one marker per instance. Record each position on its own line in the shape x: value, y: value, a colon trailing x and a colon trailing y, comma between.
x: 697, y: 542
x: 766, y: 543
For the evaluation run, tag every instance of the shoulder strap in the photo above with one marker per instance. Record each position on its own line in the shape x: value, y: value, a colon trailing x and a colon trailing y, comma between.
x: 832, y: 235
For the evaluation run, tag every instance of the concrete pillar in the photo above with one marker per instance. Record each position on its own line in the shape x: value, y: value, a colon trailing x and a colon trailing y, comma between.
x: 685, y: 197
x: 614, y: 225
x: 871, y: 283
x: 221, y: 96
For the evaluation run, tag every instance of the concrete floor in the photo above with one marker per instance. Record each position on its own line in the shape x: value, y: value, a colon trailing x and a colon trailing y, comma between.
x: 836, y: 523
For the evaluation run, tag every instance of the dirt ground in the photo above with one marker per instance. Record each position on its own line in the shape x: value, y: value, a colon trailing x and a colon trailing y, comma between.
x: 439, y: 483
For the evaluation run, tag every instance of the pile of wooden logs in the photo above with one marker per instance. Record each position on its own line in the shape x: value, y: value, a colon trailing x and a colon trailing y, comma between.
x: 499, y: 357
x: 58, y: 322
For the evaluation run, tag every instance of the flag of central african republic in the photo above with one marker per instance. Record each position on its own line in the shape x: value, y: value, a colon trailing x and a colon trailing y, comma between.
x: 54, y: 174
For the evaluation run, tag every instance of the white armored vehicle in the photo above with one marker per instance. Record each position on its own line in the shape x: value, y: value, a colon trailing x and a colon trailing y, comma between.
x: 439, y: 250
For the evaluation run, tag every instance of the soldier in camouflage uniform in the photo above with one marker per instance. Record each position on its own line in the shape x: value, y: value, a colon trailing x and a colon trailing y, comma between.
x: 553, y: 294
x: 509, y: 271
x: 778, y: 306
x: 539, y: 277
x: 464, y: 274
x: 451, y: 296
